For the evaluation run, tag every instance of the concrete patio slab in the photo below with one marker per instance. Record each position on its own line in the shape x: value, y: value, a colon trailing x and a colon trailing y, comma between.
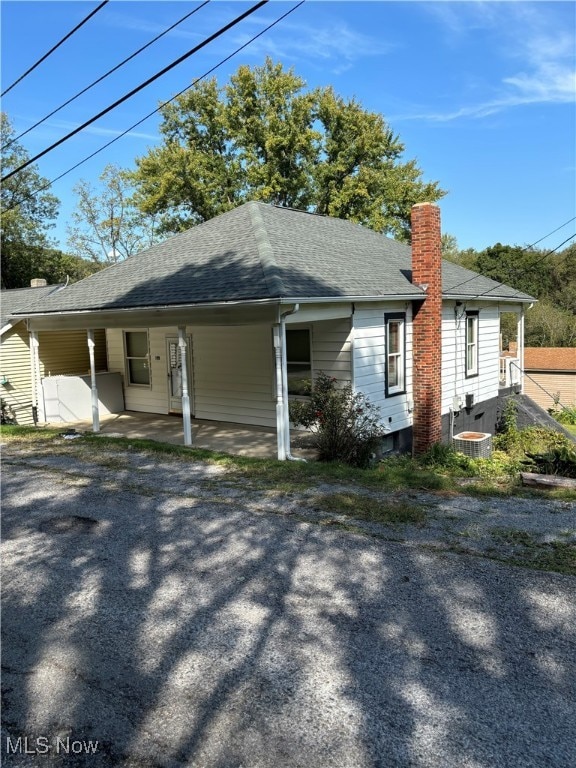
x: 237, y: 439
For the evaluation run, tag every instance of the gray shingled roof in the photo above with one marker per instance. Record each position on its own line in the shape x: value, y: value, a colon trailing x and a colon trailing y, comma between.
x: 20, y: 299
x: 260, y: 251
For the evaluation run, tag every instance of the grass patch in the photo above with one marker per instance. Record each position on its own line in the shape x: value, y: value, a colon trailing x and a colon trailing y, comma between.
x: 29, y: 434
x: 525, y: 550
x: 393, y: 473
x: 370, y: 509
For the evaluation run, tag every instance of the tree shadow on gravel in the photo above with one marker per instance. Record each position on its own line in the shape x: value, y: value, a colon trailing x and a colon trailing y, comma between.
x: 188, y: 631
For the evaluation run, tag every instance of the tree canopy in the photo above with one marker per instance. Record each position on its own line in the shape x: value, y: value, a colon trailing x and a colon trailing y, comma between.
x: 106, y: 226
x: 549, y: 277
x: 26, y: 214
x: 265, y: 137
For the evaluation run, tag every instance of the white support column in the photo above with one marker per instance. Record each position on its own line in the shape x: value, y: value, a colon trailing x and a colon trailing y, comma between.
x: 280, y: 415
x: 94, y: 386
x: 520, y: 351
x: 37, y: 398
x: 182, y: 344
x: 285, y: 398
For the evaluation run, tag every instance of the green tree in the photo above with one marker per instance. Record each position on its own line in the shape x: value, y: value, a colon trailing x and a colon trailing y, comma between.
x: 524, y: 269
x: 451, y: 252
x: 264, y: 137
x: 51, y: 264
x: 26, y: 213
x: 563, y: 278
x: 549, y: 277
x: 107, y: 227
x: 549, y: 326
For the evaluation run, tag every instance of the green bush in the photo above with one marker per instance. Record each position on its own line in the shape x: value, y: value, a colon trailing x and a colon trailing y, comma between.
x: 500, y: 464
x: 564, y: 415
x: 559, y: 460
x: 345, y: 425
x: 441, y: 456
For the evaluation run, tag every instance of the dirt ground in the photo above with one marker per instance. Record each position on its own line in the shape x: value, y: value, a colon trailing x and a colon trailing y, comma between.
x: 155, y: 613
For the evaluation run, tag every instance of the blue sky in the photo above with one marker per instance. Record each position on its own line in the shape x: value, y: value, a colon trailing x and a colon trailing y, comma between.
x: 481, y: 93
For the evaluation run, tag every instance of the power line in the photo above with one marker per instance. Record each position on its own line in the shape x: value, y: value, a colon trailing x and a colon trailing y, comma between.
x: 161, y: 106
x: 58, y: 44
x: 522, y: 250
x: 527, y: 248
x: 134, y: 91
x: 103, y: 77
x: 539, y: 260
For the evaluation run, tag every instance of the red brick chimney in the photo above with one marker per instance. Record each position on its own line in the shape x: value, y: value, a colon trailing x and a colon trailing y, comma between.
x: 427, y: 326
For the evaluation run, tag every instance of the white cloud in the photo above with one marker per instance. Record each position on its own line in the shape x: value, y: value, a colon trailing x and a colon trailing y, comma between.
x: 540, y: 53
x: 334, y: 44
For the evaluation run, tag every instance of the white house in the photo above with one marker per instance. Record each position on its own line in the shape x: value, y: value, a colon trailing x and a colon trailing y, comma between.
x: 58, y: 353
x: 230, y: 319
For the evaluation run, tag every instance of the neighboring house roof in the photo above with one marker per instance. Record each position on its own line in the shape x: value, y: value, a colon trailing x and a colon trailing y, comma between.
x: 259, y: 251
x: 550, y: 359
x: 19, y: 300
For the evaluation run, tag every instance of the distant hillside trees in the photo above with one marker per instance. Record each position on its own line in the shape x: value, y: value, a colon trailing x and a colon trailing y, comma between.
x: 549, y: 277
x: 26, y: 214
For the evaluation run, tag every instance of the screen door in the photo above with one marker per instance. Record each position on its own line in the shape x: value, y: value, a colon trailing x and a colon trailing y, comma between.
x: 174, y: 361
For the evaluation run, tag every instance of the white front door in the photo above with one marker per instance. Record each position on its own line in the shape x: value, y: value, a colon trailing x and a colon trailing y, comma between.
x: 174, y: 362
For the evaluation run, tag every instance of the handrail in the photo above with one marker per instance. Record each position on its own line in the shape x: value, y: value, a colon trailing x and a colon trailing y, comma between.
x: 564, y: 407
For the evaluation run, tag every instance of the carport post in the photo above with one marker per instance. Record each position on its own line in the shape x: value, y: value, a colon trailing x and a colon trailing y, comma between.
x: 37, y: 398
x: 280, y: 414
x: 94, y: 386
x: 185, y: 395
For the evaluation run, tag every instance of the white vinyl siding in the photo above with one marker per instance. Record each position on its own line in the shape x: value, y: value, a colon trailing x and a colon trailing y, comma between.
x: 332, y: 348
x: 64, y: 353
x: 153, y: 399
x: 485, y: 385
x: 233, y: 374
x: 60, y: 353
x: 232, y: 369
x: 369, y: 362
x: 15, y: 366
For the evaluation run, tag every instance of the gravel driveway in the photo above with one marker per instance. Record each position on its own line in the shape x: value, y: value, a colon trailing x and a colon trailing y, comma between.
x: 176, y: 620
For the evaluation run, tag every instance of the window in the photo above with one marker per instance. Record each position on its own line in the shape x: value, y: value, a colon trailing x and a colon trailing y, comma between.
x: 395, y: 354
x: 299, y: 361
x: 471, y: 344
x: 137, y: 362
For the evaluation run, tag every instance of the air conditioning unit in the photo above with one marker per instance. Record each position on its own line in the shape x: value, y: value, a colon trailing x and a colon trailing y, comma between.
x: 477, y: 445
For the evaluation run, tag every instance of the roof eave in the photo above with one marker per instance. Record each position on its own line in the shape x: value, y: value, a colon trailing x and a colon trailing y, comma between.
x: 484, y: 297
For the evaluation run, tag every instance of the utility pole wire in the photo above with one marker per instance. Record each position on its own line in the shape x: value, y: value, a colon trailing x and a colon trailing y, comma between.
x: 527, y: 248
x: 532, y: 264
x: 134, y: 91
x: 103, y: 77
x: 150, y: 114
x: 58, y: 44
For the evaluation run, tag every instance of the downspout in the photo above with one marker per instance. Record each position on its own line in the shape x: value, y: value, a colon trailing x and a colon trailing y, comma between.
x: 282, y: 410
x: 457, y: 321
x: 37, y: 385
x: 520, y: 334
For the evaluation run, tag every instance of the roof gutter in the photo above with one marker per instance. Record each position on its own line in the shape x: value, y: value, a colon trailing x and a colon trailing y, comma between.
x: 485, y: 297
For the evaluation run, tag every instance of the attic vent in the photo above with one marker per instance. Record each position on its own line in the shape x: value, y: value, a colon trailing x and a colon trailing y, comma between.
x: 476, y: 445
